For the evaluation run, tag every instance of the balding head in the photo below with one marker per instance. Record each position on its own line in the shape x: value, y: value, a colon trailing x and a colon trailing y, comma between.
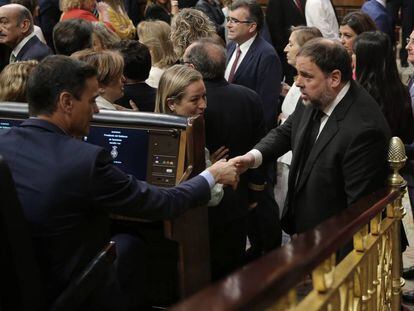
x: 16, y: 23
x: 207, y: 57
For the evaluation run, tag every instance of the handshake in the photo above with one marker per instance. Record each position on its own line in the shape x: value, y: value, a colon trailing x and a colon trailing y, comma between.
x: 228, y: 172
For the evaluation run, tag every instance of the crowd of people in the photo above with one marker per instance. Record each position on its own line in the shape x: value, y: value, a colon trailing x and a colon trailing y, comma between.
x: 298, y: 107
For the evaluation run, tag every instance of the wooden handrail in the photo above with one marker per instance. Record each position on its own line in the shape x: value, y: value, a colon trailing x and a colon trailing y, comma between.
x: 261, y: 283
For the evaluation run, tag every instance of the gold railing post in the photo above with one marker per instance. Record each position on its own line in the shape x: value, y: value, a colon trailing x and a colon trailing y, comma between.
x: 396, y: 160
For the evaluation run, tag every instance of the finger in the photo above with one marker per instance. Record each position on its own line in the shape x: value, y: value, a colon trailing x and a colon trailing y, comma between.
x: 133, y: 105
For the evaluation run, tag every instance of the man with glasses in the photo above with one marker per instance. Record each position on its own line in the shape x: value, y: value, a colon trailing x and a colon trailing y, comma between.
x: 251, y: 61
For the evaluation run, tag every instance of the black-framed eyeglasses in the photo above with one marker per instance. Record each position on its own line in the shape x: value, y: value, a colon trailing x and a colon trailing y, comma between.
x: 232, y: 20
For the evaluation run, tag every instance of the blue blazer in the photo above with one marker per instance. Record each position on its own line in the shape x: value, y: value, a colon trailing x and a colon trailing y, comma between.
x: 260, y: 71
x: 380, y: 15
x: 67, y: 189
x: 34, y: 49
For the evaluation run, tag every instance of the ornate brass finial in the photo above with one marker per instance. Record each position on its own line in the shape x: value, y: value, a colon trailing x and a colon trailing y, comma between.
x: 396, y: 160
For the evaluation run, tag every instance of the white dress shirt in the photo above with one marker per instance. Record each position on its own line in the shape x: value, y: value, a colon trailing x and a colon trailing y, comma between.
x: 244, y: 48
x: 258, y: 158
x: 102, y: 103
x: 321, y: 14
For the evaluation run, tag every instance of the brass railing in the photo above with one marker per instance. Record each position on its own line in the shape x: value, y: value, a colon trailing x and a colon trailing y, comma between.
x: 368, y: 278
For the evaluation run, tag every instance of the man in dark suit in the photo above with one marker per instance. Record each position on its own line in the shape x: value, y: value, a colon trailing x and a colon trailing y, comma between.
x: 68, y: 187
x: 16, y: 31
x: 281, y: 15
x: 251, y: 61
x: 338, y: 135
x: 235, y: 120
x: 377, y: 10
x: 137, y: 65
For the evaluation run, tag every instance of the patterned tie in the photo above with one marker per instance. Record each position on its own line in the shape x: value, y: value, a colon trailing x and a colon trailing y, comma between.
x: 234, y: 66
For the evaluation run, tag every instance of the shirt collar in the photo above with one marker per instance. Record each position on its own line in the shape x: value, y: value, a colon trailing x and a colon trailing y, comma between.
x: 21, y: 44
x: 382, y: 2
x: 328, y: 110
x: 245, y: 46
x: 104, y: 103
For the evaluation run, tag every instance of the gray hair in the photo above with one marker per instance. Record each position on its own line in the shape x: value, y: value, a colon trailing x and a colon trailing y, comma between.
x: 208, y: 58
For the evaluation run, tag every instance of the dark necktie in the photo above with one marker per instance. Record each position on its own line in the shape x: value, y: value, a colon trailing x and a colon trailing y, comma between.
x: 234, y: 65
x: 312, y: 133
x: 298, y: 5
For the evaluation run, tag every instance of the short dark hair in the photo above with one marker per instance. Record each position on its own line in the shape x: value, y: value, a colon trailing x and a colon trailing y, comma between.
x: 72, y: 35
x: 255, y: 11
x: 359, y: 22
x: 55, y: 74
x: 208, y: 58
x: 328, y: 55
x: 137, y: 59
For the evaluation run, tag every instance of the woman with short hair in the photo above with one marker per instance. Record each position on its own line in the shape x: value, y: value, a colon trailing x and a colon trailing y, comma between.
x: 110, y: 68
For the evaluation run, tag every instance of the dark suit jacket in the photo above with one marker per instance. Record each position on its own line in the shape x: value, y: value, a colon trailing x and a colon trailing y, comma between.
x: 141, y: 94
x: 380, y: 15
x: 233, y: 118
x: 347, y: 161
x: 281, y: 15
x: 67, y: 188
x: 49, y: 15
x: 260, y: 71
x: 213, y: 10
x: 34, y: 49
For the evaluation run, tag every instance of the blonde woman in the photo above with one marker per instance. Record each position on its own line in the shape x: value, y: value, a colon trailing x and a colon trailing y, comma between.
x: 188, y: 26
x: 182, y: 92
x: 13, y: 80
x: 156, y: 36
x: 114, y: 13
x: 110, y: 67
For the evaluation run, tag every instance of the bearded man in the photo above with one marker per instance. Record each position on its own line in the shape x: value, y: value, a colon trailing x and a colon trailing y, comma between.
x: 338, y: 136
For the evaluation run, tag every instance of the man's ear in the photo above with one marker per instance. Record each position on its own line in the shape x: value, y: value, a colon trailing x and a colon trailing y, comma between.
x: 25, y: 26
x: 336, y: 78
x: 65, y: 103
x: 253, y: 27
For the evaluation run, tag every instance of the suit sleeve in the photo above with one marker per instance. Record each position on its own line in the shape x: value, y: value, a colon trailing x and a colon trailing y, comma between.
x: 111, y: 188
x: 364, y: 164
x: 277, y: 142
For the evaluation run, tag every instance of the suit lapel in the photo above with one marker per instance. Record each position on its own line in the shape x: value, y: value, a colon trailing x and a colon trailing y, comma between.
x: 26, y: 48
x: 329, y: 131
x: 246, y: 60
x: 230, y: 50
x: 298, y: 143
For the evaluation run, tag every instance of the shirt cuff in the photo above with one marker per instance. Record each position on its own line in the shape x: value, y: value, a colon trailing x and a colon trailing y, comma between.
x: 209, y: 178
x: 258, y: 158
